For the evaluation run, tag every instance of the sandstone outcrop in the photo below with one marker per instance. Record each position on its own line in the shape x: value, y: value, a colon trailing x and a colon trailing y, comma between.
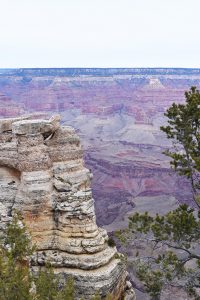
x: 42, y: 174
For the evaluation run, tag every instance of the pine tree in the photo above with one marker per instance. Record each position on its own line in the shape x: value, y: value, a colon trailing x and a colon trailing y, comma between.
x: 15, y: 277
x: 173, y: 255
x: 16, y: 280
x: 184, y: 130
x: 171, y: 242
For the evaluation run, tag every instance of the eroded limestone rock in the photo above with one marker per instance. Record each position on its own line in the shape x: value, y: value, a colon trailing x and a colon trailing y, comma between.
x: 42, y: 174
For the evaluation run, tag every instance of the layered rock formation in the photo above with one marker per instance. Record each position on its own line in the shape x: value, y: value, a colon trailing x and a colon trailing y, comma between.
x: 117, y: 113
x: 42, y: 174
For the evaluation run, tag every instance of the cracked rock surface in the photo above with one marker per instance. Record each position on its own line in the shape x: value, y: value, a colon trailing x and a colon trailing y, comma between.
x: 42, y: 175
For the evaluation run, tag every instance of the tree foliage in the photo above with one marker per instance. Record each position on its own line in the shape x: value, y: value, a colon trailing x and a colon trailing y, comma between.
x: 184, y: 130
x: 48, y: 286
x: 167, y: 247
x: 16, y: 280
x: 172, y: 254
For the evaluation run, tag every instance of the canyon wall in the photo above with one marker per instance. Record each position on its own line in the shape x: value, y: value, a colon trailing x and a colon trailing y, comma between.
x: 117, y: 114
x: 42, y: 175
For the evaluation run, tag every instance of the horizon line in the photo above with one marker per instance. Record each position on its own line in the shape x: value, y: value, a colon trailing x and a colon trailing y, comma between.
x: 184, y: 68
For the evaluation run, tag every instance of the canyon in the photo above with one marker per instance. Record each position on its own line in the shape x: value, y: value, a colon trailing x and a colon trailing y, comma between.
x: 117, y: 113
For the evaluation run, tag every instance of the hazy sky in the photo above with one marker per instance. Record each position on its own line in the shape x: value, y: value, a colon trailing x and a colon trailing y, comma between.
x: 99, y: 33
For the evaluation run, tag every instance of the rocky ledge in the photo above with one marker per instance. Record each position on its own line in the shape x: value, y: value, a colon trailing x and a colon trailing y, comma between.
x: 42, y: 174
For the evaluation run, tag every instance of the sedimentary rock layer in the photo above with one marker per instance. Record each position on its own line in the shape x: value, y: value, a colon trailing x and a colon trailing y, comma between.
x: 42, y: 174
x: 117, y: 113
